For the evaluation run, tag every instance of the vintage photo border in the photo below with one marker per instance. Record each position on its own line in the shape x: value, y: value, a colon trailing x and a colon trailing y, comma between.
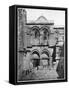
x: 16, y: 31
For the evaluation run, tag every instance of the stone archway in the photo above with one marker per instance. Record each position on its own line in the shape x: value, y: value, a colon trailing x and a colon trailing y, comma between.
x: 36, y: 31
x: 35, y: 35
x: 44, y: 35
x: 35, y: 58
x: 45, y: 57
x: 45, y: 28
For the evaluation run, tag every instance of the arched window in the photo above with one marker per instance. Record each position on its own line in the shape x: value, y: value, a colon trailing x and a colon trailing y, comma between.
x: 37, y: 34
x: 45, y: 32
x: 35, y: 29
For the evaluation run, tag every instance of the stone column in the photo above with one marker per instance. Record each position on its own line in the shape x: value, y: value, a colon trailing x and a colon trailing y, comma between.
x: 50, y: 61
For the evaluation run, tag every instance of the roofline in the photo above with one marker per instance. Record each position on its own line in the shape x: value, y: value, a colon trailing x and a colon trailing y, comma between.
x: 39, y: 23
x: 58, y: 28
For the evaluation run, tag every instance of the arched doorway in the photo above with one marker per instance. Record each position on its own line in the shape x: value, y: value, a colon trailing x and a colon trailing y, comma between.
x: 45, y: 57
x: 35, y: 59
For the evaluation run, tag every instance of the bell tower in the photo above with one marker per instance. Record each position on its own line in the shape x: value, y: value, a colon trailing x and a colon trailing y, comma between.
x: 24, y: 16
x: 21, y: 28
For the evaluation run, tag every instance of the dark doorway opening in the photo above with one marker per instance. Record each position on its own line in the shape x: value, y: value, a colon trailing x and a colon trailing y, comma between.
x: 36, y: 62
x: 35, y: 59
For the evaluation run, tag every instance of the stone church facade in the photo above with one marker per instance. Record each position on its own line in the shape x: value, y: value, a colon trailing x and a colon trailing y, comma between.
x: 38, y: 42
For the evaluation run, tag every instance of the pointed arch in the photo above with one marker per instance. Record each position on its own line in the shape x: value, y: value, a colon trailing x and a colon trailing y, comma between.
x: 45, y: 51
x: 36, y: 31
x: 35, y: 51
x: 35, y: 58
x: 46, y: 29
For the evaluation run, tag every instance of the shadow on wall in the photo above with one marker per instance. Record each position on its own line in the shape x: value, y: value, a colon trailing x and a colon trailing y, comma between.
x: 60, y: 68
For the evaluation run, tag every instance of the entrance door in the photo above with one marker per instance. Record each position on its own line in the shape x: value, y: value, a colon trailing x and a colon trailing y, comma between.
x: 44, y: 58
x: 35, y: 59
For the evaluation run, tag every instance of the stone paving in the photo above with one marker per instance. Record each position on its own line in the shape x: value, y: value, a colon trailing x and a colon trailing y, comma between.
x: 41, y: 74
x: 46, y: 73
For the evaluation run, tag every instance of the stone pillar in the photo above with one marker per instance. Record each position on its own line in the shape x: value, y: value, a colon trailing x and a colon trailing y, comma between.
x: 21, y: 28
x: 50, y: 61
x: 57, y: 53
x: 28, y: 41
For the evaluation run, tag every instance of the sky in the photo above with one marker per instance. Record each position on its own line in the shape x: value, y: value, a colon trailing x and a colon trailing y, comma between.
x: 55, y: 15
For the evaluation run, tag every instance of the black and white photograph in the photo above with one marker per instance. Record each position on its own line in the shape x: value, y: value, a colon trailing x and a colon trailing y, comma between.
x: 34, y: 45
x: 40, y: 45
